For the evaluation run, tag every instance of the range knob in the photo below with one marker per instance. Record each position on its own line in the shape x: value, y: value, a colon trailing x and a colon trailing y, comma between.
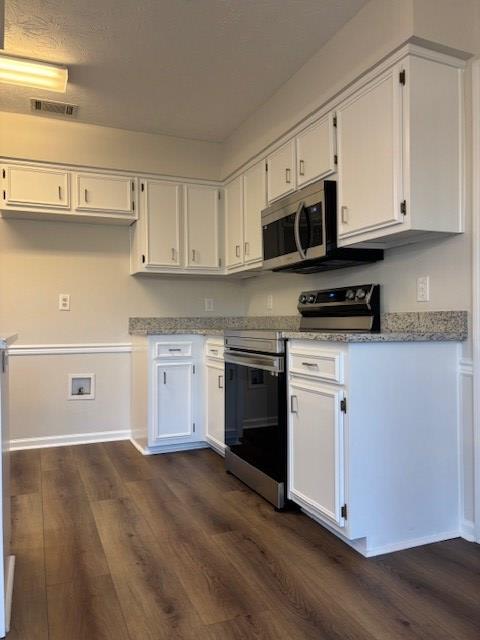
x: 311, y: 298
x: 350, y: 295
x: 361, y: 293
x: 302, y: 299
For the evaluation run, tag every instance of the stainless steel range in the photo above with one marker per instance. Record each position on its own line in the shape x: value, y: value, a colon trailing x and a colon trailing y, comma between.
x: 256, y: 411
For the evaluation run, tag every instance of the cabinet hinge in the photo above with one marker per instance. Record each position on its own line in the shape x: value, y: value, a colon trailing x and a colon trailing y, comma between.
x: 402, y: 77
x: 4, y: 175
x: 334, y: 121
x: 343, y: 512
x: 343, y: 405
x: 142, y: 187
x: 335, y: 159
x: 193, y: 427
x: 403, y: 207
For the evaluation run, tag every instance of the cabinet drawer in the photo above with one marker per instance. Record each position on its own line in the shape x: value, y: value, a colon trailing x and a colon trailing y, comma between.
x: 326, y: 365
x: 214, y: 350
x: 173, y: 349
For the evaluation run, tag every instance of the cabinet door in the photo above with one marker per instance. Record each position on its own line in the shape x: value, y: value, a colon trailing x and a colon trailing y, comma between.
x: 234, y: 222
x: 281, y: 171
x: 254, y: 200
x: 36, y: 187
x: 161, y: 206
x: 316, y: 460
x: 172, y: 400
x: 96, y: 192
x: 215, y: 407
x: 369, y: 137
x: 202, y: 226
x: 316, y: 151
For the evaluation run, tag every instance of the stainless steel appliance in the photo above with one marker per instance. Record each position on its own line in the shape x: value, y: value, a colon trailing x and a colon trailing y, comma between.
x: 256, y: 411
x: 350, y: 309
x: 300, y: 233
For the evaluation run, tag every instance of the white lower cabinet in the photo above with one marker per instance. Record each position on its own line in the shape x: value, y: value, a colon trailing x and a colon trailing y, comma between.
x: 215, y: 396
x: 167, y: 411
x: 373, y: 440
x: 316, y: 461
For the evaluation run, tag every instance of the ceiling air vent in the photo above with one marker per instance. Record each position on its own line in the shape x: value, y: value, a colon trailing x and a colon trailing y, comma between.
x: 54, y: 108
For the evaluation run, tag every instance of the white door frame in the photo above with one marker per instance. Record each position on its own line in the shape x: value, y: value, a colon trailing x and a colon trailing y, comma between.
x: 476, y: 285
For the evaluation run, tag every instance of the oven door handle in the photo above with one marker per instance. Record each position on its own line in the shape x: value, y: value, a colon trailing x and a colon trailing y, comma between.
x: 255, y: 361
x: 296, y: 230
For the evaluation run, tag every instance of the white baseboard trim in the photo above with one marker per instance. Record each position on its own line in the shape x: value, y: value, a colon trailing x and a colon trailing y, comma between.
x: 215, y: 445
x: 10, y: 571
x: 467, y: 530
x: 70, y: 439
x: 168, y: 448
x: 67, y: 349
x: 409, y: 544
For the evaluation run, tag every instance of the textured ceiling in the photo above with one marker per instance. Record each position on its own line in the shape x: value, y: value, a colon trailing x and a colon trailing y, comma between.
x: 192, y: 68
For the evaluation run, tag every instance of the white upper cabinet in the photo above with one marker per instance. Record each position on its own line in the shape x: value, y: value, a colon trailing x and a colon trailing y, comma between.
x: 202, y: 227
x: 161, y: 206
x: 316, y: 151
x: 35, y: 187
x: 400, y: 154
x: 234, y: 222
x: 281, y: 171
x: 254, y: 200
x: 98, y: 192
x: 370, y: 156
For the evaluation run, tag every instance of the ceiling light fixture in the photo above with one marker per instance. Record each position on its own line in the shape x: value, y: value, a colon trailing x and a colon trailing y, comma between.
x: 30, y: 73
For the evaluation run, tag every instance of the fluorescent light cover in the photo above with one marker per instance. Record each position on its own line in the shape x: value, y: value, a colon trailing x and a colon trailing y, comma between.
x: 29, y: 73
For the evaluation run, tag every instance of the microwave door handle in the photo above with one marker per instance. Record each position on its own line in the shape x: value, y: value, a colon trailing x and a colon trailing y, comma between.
x: 297, y: 231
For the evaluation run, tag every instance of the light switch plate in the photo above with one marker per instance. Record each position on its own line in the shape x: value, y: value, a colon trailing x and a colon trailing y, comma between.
x: 423, y: 289
x: 208, y: 304
x: 64, y: 302
x: 269, y: 302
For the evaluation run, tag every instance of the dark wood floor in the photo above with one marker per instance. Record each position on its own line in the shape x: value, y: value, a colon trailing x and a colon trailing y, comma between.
x: 113, y: 545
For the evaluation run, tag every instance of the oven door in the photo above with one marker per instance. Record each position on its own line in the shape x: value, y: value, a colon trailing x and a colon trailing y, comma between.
x: 255, y: 411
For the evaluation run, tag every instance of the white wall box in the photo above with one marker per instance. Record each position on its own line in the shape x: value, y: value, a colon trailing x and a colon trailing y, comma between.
x: 400, y: 152
x: 202, y: 232
x: 43, y: 192
x: 215, y: 395
x: 104, y: 193
x: 281, y: 175
x: 167, y: 407
x: 81, y: 386
x: 315, y: 148
x: 364, y: 462
x: 245, y: 197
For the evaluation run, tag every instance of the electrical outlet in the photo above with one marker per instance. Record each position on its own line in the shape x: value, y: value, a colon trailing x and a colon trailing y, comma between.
x: 208, y: 304
x: 64, y: 302
x: 269, y: 302
x: 423, y: 289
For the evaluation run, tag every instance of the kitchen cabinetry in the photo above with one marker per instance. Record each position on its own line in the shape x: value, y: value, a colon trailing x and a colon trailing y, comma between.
x: 363, y: 462
x: 98, y: 192
x: 245, y: 197
x: 315, y: 148
x: 202, y: 227
x: 167, y: 399
x: 215, y: 396
x: 281, y: 171
x: 42, y: 192
x: 400, y: 154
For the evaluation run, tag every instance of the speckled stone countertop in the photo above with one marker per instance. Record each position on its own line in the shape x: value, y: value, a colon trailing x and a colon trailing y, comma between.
x: 425, y: 326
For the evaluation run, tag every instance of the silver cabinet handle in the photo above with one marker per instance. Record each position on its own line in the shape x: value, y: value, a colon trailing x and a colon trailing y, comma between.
x: 293, y: 404
x: 302, y: 168
x: 59, y: 192
x: 174, y: 349
x: 85, y: 195
x: 288, y: 178
x: 164, y: 377
x: 220, y: 382
x: 213, y: 350
x: 174, y: 253
x: 194, y: 255
x: 247, y: 248
x: 345, y: 215
x: 310, y: 364
x: 237, y: 250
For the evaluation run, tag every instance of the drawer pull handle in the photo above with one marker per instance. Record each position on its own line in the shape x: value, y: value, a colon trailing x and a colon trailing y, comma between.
x: 174, y: 349
x: 85, y: 195
x: 213, y: 350
x: 220, y: 382
x: 174, y: 253
x: 194, y: 255
x: 310, y: 364
x: 302, y: 167
x: 237, y: 250
x: 288, y: 178
x: 293, y: 404
x: 164, y: 377
x: 247, y: 248
x: 59, y: 192
x: 345, y: 215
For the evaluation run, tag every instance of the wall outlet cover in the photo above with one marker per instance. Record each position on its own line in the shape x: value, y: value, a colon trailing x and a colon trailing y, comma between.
x: 64, y: 302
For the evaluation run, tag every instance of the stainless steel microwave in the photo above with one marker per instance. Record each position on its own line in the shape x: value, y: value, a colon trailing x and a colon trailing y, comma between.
x: 300, y: 233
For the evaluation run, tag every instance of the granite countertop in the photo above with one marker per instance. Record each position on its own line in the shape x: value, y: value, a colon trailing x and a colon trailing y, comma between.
x: 425, y: 326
